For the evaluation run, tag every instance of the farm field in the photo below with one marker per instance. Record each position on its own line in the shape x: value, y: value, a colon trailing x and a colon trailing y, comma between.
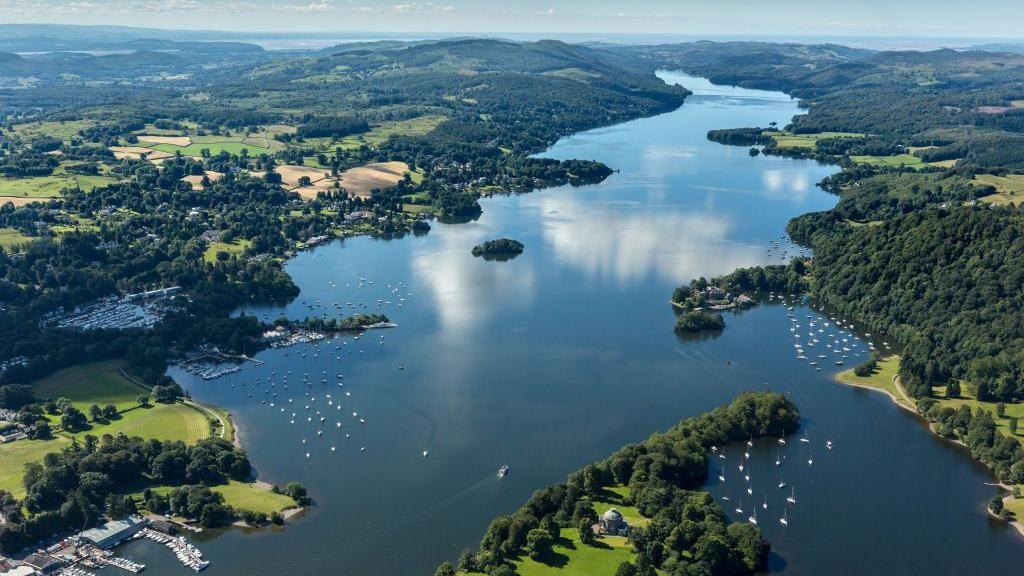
x: 196, y: 148
x: 418, y: 126
x: 789, y: 140
x: 62, y: 131
x: 9, y: 237
x: 364, y: 179
x: 43, y: 187
x: 1010, y: 188
x: 896, y: 160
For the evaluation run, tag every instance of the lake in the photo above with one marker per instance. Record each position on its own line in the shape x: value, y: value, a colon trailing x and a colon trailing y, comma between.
x: 564, y: 354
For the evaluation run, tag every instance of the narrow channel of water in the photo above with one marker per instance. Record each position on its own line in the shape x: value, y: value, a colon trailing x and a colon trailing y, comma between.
x: 562, y: 355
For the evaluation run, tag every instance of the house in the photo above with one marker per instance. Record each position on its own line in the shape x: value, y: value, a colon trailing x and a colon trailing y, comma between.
x: 715, y: 293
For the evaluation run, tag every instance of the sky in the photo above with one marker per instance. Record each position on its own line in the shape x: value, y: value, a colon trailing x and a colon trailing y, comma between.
x: 943, y: 18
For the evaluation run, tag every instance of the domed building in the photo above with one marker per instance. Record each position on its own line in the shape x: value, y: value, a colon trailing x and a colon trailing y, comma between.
x: 613, y: 523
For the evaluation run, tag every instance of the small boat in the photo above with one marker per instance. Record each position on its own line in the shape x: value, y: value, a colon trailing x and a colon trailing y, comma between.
x: 753, y: 518
x: 739, y: 507
x: 784, y: 520
x: 721, y: 477
x: 792, y: 495
x: 426, y: 453
x: 503, y: 471
x: 765, y: 505
x: 804, y: 440
x: 782, y: 440
x: 828, y: 444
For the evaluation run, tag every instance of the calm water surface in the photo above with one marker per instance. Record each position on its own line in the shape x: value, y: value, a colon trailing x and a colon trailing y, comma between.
x: 564, y: 354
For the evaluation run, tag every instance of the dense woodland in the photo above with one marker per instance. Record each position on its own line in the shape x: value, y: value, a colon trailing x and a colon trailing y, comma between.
x: 688, y: 534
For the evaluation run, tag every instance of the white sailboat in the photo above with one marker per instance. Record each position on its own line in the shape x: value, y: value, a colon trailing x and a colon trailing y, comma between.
x: 739, y: 507
x: 784, y: 520
x: 792, y: 495
x: 765, y: 505
x: 753, y: 517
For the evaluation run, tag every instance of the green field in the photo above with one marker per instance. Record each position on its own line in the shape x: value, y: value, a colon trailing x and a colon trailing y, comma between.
x: 15, y: 455
x: 63, y: 131
x: 1010, y: 188
x: 101, y: 383
x: 87, y: 384
x: 234, y: 248
x: 615, y: 497
x: 881, y: 379
x: 195, y: 149
x: 570, y: 557
x: 242, y: 496
x: 418, y: 126
x: 789, y: 140
x: 894, y: 161
x: 50, y: 186
x: 9, y: 237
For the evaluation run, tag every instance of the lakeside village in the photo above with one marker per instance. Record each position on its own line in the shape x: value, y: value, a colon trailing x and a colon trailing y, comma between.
x: 90, y: 550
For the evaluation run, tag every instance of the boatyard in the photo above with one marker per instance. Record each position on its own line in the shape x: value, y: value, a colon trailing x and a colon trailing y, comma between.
x: 91, y: 550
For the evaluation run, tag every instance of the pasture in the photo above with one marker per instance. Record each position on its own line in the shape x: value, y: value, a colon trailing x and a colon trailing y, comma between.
x: 87, y: 384
x: 10, y: 237
x: 1009, y: 188
x: 234, y: 248
x: 790, y: 140
x: 570, y: 557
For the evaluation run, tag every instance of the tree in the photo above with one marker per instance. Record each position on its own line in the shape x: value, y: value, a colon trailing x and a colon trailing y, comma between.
x: 953, y: 389
x: 626, y: 569
x: 142, y: 400
x: 73, y: 420
x: 95, y: 412
x: 538, y: 541
x: 445, y: 569
x: 1001, y: 410
x: 586, y: 532
x: 1013, y: 425
x: 996, y: 504
x: 110, y: 411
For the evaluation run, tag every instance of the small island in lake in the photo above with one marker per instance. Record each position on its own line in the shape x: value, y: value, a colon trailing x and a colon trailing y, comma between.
x: 500, y: 249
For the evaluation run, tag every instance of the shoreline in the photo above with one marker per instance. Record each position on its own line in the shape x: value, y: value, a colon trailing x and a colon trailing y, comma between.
x: 1016, y: 523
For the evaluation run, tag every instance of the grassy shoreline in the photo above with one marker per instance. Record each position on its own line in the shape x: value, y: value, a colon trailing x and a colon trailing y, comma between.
x: 886, y: 380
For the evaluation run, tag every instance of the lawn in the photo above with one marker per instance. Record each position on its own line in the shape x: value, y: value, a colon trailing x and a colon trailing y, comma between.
x: 252, y: 497
x: 101, y: 383
x: 234, y: 248
x: 87, y: 384
x: 789, y: 140
x: 881, y: 379
x: 570, y: 557
x: 613, y: 498
x: 15, y: 455
x: 1010, y: 188
x: 9, y: 237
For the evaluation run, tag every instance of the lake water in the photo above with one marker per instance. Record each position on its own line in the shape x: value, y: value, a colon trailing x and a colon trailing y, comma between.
x: 562, y: 355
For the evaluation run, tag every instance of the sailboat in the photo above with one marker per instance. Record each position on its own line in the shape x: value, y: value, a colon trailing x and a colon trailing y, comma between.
x: 810, y: 459
x: 749, y: 489
x: 784, y: 520
x: 765, y: 505
x: 782, y: 440
x: 792, y: 495
x: 753, y: 517
x: 751, y: 441
x: 739, y: 507
x: 721, y: 477
x: 828, y: 444
x: 778, y: 459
